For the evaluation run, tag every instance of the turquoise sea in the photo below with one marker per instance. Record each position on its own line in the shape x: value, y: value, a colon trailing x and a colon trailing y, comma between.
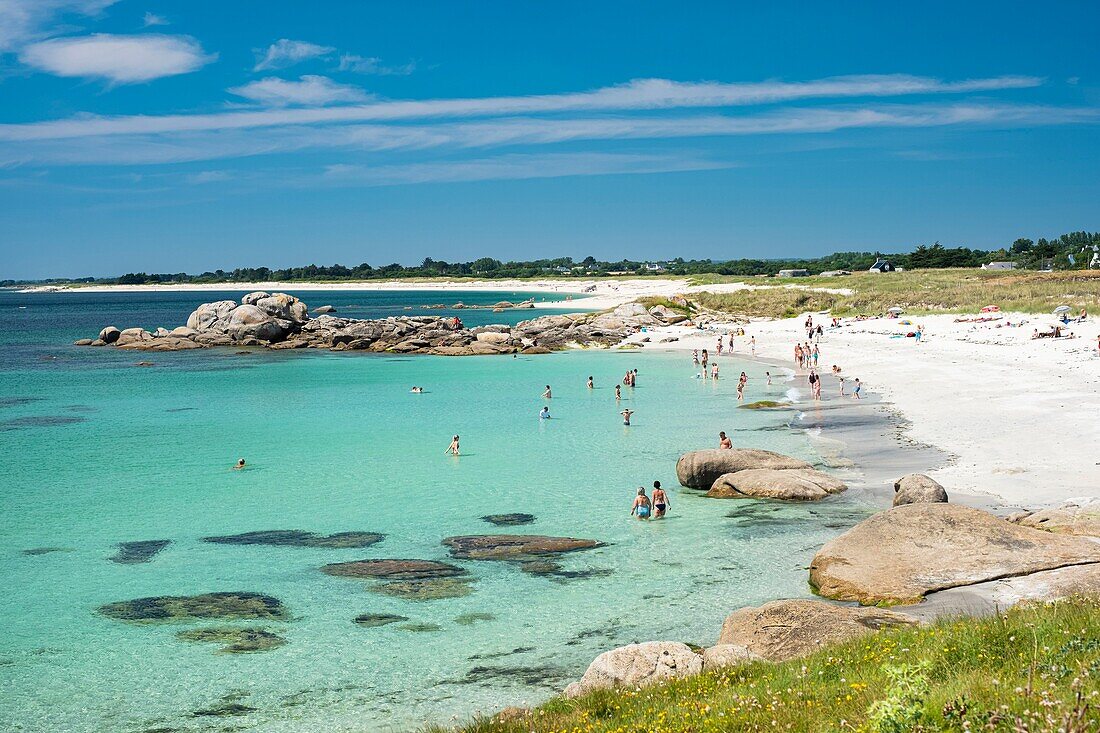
x: 95, y: 451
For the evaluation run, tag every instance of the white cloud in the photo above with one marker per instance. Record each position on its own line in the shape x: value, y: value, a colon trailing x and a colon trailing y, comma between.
x: 119, y: 59
x: 285, y: 52
x: 644, y: 94
x: 208, y: 177
x: 22, y: 21
x: 373, y: 65
x: 309, y: 90
x: 152, y: 19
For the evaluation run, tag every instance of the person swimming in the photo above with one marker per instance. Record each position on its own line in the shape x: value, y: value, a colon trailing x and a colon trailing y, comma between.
x: 240, y: 465
x: 591, y: 384
x: 453, y: 447
x: 544, y: 414
x: 417, y: 390
x: 626, y: 416
x: 660, y: 501
x: 723, y: 441
x: 641, y: 504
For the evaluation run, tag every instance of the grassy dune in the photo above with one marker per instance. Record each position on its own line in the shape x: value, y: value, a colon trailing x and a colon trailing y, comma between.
x: 1036, y: 668
x: 918, y: 291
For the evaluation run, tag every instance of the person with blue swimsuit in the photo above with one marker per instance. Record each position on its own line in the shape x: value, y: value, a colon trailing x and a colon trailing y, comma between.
x: 641, y: 504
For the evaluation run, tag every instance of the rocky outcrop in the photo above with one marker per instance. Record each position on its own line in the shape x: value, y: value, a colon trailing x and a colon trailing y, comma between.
x: 783, y: 630
x: 899, y: 555
x: 636, y: 665
x: 728, y: 655
x: 514, y: 546
x: 229, y: 605
x: 792, y: 484
x: 701, y: 468
x: 299, y: 538
x: 916, y: 488
x: 1076, y: 516
x: 393, y: 569
x: 281, y: 321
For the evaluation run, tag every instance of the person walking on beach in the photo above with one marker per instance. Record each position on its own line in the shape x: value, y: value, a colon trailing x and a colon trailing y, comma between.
x: 453, y: 447
x: 640, y: 508
x: 660, y: 501
x: 719, y: 347
x: 618, y: 393
x: 591, y: 385
x: 626, y: 416
x: 547, y: 394
x: 752, y: 345
x: 798, y: 355
x: 724, y: 442
x: 731, y: 343
x: 815, y: 386
x: 816, y: 353
x: 857, y: 388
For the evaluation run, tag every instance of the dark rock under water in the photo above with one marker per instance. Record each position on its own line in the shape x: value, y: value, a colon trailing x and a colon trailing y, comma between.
x: 299, y: 538
x: 235, y: 640
x: 130, y: 553
x: 232, y: 604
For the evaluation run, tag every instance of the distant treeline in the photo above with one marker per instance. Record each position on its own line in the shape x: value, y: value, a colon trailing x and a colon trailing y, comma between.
x: 1069, y: 251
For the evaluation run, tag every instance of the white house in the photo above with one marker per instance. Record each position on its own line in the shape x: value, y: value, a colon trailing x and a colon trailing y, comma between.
x: 1000, y: 266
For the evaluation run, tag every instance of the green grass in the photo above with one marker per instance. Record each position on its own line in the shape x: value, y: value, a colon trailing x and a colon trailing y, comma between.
x: 1036, y: 668
x: 917, y: 291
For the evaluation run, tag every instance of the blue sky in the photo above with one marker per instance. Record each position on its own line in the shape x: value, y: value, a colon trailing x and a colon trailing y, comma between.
x: 167, y: 136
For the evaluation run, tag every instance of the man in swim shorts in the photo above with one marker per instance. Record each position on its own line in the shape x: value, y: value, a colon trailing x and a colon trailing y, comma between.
x: 626, y: 416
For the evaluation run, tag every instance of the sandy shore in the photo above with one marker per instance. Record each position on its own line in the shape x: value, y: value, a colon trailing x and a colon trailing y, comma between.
x: 1017, y: 416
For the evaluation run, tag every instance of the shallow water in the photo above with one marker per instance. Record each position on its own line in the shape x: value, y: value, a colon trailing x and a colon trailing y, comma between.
x: 336, y: 443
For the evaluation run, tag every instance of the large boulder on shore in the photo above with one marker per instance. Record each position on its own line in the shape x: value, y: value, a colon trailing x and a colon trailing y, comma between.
x: 783, y: 630
x: 699, y: 469
x: 636, y: 665
x: 899, y: 555
x: 792, y: 484
x: 109, y: 335
x: 132, y: 338
x: 916, y: 488
x: 728, y: 655
x: 251, y: 321
x: 1076, y: 516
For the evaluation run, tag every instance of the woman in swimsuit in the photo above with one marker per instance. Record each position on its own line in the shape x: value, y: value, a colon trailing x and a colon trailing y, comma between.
x: 618, y: 392
x: 453, y: 447
x: 641, y: 504
x: 590, y: 384
x: 660, y: 501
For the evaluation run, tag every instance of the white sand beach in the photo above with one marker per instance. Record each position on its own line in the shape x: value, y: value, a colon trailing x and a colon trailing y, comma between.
x: 1017, y: 416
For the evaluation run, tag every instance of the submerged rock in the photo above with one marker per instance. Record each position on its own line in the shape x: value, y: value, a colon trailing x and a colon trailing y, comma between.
x: 514, y: 547
x: 799, y: 484
x: 509, y: 520
x: 783, y: 630
x: 420, y: 627
x: 393, y: 569
x: 701, y: 468
x: 637, y: 665
x: 899, y: 555
x: 766, y: 405
x: 378, y: 619
x: 242, y: 605
x: 469, y: 619
x: 130, y: 553
x: 39, y: 421
x: 425, y: 590
x: 45, y: 550
x: 224, y: 709
x: 916, y: 488
x: 299, y: 538
x: 235, y: 640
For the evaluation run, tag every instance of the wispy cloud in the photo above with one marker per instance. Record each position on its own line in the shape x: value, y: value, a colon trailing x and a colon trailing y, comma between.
x: 152, y: 19
x: 285, y: 52
x: 309, y: 90
x: 208, y: 177
x: 118, y: 59
x: 643, y: 94
x: 529, y: 131
x: 22, y: 21
x: 373, y: 65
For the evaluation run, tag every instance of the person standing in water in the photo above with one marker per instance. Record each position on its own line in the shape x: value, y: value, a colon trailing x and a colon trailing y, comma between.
x: 714, y: 371
x: 660, y: 501
x: 724, y: 443
x: 544, y: 414
x: 719, y: 346
x: 547, y: 394
x: 640, y: 508
x: 591, y: 385
x: 453, y: 447
x: 618, y: 393
x: 769, y: 376
x: 240, y: 465
x: 626, y: 416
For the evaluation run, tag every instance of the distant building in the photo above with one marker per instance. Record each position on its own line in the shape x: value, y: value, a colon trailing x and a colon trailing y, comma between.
x: 794, y: 273
x: 882, y: 266
x: 835, y: 273
x: 654, y: 267
x: 1000, y: 266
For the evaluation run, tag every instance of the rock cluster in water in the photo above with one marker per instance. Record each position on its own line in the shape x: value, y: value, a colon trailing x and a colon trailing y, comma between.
x: 225, y: 605
x: 751, y: 473
x: 300, y: 538
x: 281, y: 321
x: 235, y: 640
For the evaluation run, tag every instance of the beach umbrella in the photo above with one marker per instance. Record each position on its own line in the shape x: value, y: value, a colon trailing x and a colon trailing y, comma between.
x: 991, y: 309
x: 1062, y: 309
x: 895, y: 309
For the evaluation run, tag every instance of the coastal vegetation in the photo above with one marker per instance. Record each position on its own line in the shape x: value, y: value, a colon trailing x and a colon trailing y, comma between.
x: 1034, y: 668
x: 1072, y: 251
x: 919, y: 291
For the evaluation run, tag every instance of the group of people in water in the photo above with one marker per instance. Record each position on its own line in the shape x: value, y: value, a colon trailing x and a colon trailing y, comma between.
x: 656, y: 506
